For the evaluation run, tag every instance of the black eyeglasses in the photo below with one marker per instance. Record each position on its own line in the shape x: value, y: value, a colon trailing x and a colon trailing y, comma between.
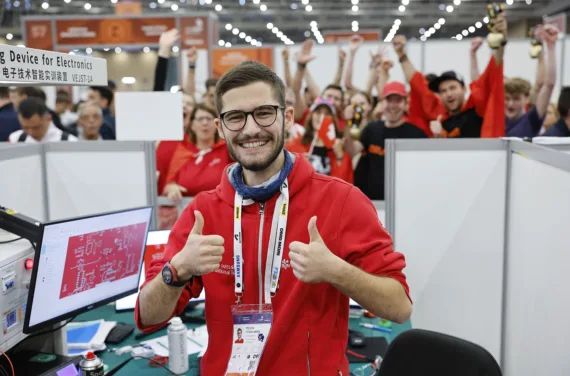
x: 264, y: 116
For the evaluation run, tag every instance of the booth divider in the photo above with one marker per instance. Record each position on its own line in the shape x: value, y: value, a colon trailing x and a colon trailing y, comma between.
x: 470, y: 216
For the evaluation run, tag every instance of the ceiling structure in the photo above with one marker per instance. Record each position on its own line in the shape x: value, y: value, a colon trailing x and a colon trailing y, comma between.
x: 293, y: 18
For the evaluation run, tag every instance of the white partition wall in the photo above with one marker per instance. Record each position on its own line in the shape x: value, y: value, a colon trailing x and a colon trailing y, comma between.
x: 22, y: 180
x: 446, y: 215
x: 537, y: 330
x: 85, y: 178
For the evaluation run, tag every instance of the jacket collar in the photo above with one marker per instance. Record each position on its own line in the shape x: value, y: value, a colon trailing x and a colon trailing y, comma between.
x: 298, y: 179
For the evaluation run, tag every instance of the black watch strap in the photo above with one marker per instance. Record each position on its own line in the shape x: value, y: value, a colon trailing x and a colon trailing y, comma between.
x: 170, y: 276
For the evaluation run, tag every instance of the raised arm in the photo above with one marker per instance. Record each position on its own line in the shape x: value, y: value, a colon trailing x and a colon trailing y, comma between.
x: 165, y: 43
x: 550, y: 36
x: 312, y: 85
x: 501, y: 27
x: 286, y: 67
x: 353, y: 45
x: 375, y: 61
x: 539, y: 78
x: 340, y: 69
x: 303, y: 58
x: 475, y: 44
x: 192, y: 55
x: 399, y: 44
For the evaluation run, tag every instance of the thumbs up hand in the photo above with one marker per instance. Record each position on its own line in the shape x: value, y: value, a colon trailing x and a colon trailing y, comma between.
x: 436, y: 127
x: 313, y: 262
x: 201, y: 254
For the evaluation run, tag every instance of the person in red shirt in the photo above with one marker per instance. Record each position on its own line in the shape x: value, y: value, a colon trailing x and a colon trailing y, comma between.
x: 439, y: 107
x: 331, y: 162
x: 196, y: 165
x: 239, y: 339
x: 331, y: 245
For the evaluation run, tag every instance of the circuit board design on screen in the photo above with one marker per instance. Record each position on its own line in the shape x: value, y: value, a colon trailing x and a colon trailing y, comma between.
x: 101, y: 257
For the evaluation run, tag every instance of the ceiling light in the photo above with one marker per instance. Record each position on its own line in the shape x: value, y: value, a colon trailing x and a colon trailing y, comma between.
x: 89, y: 50
x: 441, y: 6
x: 87, y: 6
x: 509, y: 2
x: 242, y: 35
x: 486, y: 19
x: 279, y: 34
x: 106, y: 49
x: 248, y: 39
x: 457, y: 2
x: 478, y: 25
x: 218, y: 7
x: 175, y: 49
x: 152, y: 5
x: 397, y: 21
x: 423, y: 38
x: 228, y: 44
x: 395, y: 28
x: 449, y: 8
x: 235, y: 31
x: 355, y: 28
x: 146, y: 50
x: 113, y: 1
x: 160, y: 1
x: 405, y: 2
x: 354, y: 2
x: 294, y: 6
x: 309, y: 8
x: 313, y: 24
x: 431, y: 30
x: 354, y: 23
x: 45, y: 5
x: 128, y: 80
x: 275, y: 30
x: 9, y: 36
x: 471, y: 29
x: 529, y: 2
x: 118, y: 50
x: 305, y: 2
x: 221, y: 43
x: 67, y: 1
x: 208, y: 2
x: 427, y: 34
x: 256, y: 1
x: 263, y: 7
x: 437, y: 26
x: 422, y: 30
x: 441, y: 21
x: 401, y: 8
x: 307, y: 34
x: 459, y: 37
x: 258, y: 44
x: 229, y: 26
x: 254, y: 41
x: 465, y: 32
x: 174, y: 7
x: 270, y: 25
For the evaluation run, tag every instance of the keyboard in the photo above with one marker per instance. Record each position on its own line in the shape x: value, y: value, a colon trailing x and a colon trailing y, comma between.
x: 119, y: 333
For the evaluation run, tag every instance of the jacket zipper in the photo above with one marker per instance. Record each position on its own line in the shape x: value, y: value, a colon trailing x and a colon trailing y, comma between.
x: 308, y: 346
x: 260, y: 252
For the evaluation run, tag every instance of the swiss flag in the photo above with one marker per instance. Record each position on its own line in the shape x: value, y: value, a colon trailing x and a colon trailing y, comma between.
x: 327, y: 132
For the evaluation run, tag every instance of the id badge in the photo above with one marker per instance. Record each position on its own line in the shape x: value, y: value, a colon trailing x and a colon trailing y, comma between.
x: 252, y: 324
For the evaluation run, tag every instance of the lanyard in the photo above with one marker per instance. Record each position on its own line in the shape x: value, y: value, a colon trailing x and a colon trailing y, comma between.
x: 276, y: 243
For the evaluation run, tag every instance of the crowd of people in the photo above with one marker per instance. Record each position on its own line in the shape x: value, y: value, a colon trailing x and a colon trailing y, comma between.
x: 340, y: 129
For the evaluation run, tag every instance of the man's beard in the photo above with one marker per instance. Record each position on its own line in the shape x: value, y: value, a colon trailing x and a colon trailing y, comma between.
x: 265, y: 162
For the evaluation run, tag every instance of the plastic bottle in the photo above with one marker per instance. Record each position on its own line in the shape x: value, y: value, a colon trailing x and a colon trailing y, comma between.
x: 177, y: 347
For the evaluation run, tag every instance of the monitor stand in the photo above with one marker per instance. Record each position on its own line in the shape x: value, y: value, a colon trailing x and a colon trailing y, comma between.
x: 44, y: 355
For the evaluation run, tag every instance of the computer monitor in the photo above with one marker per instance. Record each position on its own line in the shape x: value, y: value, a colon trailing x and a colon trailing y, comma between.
x: 155, y: 246
x: 83, y: 263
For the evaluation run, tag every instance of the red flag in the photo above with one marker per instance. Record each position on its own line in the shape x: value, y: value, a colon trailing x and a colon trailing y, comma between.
x: 327, y: 132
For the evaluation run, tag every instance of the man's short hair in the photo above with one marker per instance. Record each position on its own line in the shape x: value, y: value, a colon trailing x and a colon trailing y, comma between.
x: 32, y: 106
x: 4, y: 92
x: 105, y: 93
x: 430, y: 77
x: 62, y: 97
x: 83, y: 106
x: 517, y: 85
x: 28, y: 91
x: 247, y: 73
x: 334, y: 87
x: 211, y: 82
x: 564, y: 102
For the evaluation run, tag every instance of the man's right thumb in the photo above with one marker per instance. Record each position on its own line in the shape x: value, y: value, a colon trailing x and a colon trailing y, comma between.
x: 198, y: 224
x: 439, y: 117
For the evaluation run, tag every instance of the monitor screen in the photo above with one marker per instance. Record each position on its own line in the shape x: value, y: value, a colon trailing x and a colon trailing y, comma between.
x: 86, y: 262
x: 155, y: 246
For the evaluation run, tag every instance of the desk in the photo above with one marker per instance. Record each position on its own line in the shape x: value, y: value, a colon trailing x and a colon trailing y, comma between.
x: 141, y: 368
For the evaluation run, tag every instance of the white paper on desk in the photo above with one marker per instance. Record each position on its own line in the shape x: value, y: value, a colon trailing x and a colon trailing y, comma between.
x: 97, y: 342
x: 197, y: 342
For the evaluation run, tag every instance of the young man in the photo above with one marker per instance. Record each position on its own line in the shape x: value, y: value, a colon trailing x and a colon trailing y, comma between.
x: 562, y: 127
x: 103, y: 97
x: 369, y: 174
x: 225, y: 242
x: 8, y: 116
x: 210, y: 90
x: 439, y: 107
x: 37, y: 125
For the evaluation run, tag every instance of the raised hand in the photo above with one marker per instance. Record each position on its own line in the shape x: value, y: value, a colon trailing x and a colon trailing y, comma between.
x: 285, y: 54
x: 354, y: 43
x: 305, y: 55
x: 550, y: 34
x: 475, y: 44
x: 399, y: 42
x: 201, y: 254
x: 166, y: 41
x: 341, y: 55
x: 436, y: 127
x: 313, y: 262
x: 192, y: 55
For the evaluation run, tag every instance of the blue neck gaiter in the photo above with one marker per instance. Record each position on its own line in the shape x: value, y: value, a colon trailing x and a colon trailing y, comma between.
x: 264, y: 192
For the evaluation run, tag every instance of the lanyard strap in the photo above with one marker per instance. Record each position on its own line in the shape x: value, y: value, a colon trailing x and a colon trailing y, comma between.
x: 276, y: 244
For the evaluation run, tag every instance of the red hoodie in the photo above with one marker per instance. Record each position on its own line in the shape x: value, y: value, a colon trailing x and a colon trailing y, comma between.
x: 310, y: 321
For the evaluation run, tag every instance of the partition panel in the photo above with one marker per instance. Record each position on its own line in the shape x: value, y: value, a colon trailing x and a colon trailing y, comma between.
x: 85, y: 178
x: 537, y: 333
x: 448, y: 212
x: 22, y: 181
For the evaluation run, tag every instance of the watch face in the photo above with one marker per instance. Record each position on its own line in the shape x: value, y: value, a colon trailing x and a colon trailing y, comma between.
x: 167, y: 275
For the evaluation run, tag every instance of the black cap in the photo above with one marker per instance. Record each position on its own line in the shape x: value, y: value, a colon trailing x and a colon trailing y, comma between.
x: 445, y: 76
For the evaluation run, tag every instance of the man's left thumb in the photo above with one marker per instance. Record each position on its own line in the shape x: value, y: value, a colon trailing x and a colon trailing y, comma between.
x: 314, y: 235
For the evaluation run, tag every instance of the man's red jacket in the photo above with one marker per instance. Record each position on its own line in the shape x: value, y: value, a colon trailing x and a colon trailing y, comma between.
x: 310, y: 321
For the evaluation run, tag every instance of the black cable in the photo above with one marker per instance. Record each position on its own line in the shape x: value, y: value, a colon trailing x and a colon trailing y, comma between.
x: 11, y: 241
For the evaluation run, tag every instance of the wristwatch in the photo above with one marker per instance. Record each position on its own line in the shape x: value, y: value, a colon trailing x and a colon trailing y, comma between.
x: 170, y: 276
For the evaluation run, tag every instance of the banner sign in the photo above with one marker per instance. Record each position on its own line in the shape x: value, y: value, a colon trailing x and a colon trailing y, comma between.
x: 343, y: 37
x: 194, y: 32
x: 38, y: 35
x: 26, y: 66
x: 223, y: 59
